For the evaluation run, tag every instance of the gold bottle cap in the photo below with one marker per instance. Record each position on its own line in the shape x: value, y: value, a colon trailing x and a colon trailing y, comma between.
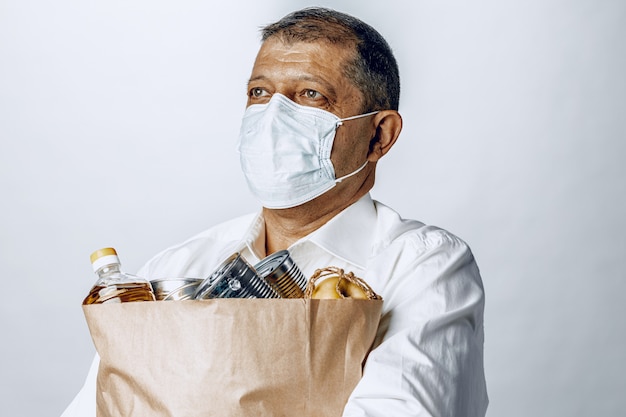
x: 102, y: 257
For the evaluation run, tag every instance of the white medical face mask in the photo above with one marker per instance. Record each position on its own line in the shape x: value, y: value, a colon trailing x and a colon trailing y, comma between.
x: 285, y: 151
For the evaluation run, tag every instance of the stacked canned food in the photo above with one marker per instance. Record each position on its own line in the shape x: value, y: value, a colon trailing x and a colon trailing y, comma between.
x: 276, y: 276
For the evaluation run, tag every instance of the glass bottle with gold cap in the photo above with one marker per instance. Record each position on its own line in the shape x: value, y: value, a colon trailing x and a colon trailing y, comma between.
x: 113, y: 285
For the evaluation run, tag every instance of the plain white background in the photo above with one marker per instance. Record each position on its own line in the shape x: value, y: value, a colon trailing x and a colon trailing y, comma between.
x: 117, y: 127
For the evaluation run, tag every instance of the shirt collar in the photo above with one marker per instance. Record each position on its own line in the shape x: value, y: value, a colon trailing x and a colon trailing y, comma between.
x: 254, y: 239
x: 349, y: 234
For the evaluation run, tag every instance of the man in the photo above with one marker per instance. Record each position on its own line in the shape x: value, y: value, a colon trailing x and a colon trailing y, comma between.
x: 322, y: 111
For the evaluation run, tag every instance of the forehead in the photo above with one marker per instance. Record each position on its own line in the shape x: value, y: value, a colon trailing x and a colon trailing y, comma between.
x: 321, y: 45
x: 317, y: 58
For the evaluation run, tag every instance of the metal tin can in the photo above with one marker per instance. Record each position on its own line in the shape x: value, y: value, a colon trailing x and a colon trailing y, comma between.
x: 175, y: 288
x: 283, y: 275
x: 234, y: 278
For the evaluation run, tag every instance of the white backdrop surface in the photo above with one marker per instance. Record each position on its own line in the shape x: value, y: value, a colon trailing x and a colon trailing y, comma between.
x: 117, y: 127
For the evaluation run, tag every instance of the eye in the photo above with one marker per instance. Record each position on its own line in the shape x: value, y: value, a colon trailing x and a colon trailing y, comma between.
x: 313, y: 95
x: 257, y: 92
x: 313, y: 98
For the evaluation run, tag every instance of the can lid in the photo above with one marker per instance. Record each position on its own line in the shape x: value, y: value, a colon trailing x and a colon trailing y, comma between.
x: 275, y: 264
x: 104, y: 256
x: 222, y: 270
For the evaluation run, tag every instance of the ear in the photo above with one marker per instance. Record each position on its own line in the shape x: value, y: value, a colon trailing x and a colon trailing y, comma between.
x: 388, y: 126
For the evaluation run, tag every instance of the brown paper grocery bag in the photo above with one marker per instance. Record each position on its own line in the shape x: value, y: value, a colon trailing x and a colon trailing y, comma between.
x: 230, y: 357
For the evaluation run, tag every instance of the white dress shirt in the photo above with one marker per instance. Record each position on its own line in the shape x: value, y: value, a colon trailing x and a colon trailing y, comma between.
x: 428, y: 354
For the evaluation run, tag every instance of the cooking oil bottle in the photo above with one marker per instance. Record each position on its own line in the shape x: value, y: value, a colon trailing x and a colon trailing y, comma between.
x: 113, y: 285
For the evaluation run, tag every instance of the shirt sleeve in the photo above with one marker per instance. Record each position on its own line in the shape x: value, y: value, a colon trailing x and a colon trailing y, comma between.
x: 429, y: 360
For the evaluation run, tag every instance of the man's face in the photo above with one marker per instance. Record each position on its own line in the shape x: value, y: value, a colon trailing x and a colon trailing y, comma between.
x: 311, y: 74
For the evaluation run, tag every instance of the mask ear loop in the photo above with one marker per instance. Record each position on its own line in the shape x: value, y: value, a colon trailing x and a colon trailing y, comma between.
x: 358, y: 116
x: 338, y: 180
x: 339, y: 123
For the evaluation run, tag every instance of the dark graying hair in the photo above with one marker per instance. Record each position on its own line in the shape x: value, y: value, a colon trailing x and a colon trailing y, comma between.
x: 373, y: 71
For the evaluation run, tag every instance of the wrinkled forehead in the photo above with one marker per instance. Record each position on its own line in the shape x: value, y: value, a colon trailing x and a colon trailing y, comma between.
x: 337, y: 59
x: 338, y: 50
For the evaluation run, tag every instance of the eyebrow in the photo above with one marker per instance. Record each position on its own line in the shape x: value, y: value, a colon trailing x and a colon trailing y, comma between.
x: 257, y: 78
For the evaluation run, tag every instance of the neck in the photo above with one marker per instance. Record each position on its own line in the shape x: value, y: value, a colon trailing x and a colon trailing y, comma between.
x: 283, y: 227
